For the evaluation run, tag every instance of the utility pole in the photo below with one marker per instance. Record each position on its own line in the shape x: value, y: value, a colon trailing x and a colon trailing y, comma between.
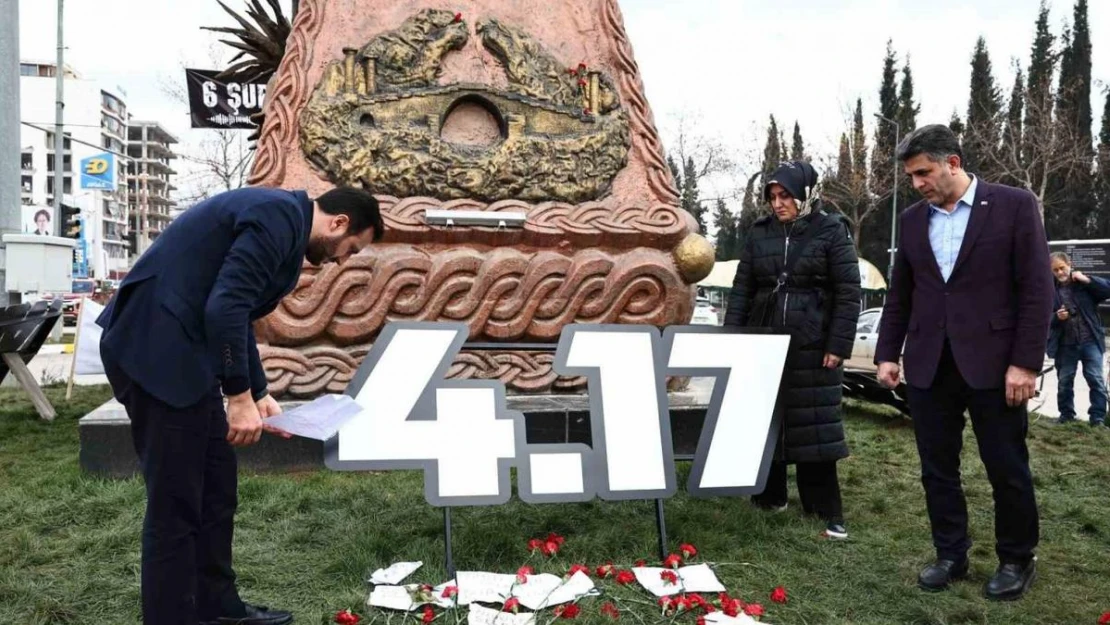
x: 11, y: 217
x: 894, y: 197
x: 59, y: 137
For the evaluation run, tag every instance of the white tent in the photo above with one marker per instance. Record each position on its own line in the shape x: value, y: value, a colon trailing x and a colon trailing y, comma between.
x: 722, y: 275
x: 871, y: 279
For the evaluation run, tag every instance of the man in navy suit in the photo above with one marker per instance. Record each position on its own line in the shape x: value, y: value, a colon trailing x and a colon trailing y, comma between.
x: 971, y: 298
x: 178, y: 339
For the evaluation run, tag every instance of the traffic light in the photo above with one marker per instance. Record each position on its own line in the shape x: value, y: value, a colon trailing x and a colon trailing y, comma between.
x: 71, y: 222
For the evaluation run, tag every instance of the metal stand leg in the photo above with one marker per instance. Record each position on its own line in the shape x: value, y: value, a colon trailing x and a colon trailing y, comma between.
x: 449, y: 562
x: 661, y: 525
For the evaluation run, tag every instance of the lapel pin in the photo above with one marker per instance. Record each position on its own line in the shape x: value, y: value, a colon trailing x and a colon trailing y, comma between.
x: 983, y: 203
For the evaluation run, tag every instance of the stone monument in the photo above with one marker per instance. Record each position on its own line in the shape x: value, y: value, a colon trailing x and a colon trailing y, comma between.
x: 534, y: 111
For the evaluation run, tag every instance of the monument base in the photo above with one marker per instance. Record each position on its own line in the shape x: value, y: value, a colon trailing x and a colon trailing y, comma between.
x: 107, y: 450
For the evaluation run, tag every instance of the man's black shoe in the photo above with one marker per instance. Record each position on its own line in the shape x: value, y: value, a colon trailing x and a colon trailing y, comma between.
x: 939, y: 574
x: 1011, y: 581
x: 256, y: 615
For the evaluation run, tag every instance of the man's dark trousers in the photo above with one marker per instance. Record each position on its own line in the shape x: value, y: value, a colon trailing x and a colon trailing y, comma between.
x: 938, y: 417
x: 191, y: 476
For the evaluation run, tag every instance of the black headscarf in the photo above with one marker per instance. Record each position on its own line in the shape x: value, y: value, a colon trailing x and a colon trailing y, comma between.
x: 798, y: 178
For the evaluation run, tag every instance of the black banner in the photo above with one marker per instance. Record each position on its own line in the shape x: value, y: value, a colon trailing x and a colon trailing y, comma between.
x: 217, y: 104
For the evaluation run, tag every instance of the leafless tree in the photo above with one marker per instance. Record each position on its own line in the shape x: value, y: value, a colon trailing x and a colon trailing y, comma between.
x: 847, y: 186
x: 1055, y: 151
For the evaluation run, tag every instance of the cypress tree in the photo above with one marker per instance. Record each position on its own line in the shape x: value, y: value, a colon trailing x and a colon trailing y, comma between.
x: 798, y: 149
x: 983, y: 116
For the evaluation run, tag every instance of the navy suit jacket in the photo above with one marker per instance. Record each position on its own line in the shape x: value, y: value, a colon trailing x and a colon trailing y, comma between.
x: 995, y: 308
x: 180, y: 324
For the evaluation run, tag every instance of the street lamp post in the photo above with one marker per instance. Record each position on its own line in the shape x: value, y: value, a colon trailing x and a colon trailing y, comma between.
x: 894, y: 197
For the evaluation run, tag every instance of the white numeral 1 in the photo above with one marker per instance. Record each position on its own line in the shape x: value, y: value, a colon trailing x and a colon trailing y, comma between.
x: 738, y: 437
x: 629, y: 419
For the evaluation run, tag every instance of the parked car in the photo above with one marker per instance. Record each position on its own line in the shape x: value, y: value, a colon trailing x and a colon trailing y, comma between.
x: 860, y: 369
x: 705, y: 313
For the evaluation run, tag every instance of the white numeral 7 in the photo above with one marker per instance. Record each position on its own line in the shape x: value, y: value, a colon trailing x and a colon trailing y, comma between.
x: 741, y: 426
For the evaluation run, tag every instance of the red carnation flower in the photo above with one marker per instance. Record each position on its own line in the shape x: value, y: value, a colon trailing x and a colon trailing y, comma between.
x: 1104, y: 619
x: 522, y: 573
x: 669, y: 576
x: 639, y: 563
x: 581, y: 82
x: 429, y: 615
x: 606, y: 570
x: 512, y: 604
x: 778, y: 595
x: 625, y: 577
x: 450, y: 592
x: 346, y: 617
x: 576, y: 568
x: 673, y: 561
x: 535, y: 544
x: 567, y: 611
x: 610, y: 610
x: 688, y: 550
x: 552, y: 537
x: 701, y: 620
x: 458, y: 17
x: 753, y: 609
x: 550, y: 548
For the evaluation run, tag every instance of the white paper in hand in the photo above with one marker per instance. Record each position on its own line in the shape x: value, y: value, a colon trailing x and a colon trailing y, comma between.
x: 319, y: 419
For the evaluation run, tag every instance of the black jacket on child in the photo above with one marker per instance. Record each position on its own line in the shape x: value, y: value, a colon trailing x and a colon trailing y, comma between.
x: 820, y: 304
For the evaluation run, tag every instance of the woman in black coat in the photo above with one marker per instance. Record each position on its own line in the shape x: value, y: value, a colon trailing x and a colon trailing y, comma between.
x: 819, y: 302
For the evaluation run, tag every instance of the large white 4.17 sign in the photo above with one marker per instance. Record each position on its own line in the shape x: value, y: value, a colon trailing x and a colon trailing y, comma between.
x: 461, y: 433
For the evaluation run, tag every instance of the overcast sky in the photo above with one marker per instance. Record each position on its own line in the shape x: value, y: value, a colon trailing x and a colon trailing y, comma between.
x: 725, y: 65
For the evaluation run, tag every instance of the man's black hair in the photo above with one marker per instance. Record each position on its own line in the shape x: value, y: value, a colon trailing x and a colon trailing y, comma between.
x: 360, y: 207
x: 936, y: 141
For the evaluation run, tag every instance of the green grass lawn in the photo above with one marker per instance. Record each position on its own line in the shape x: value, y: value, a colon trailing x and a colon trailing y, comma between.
x: 69, y: 544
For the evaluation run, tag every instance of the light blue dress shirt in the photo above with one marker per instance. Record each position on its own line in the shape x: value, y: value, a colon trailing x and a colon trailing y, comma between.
x: 946, y: 230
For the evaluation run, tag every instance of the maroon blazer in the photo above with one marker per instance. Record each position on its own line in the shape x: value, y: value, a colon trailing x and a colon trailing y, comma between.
x: 995, y: 308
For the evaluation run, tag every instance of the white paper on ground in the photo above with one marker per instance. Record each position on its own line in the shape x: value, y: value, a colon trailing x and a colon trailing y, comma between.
x: 699, y: 578
x: 392, y: 597
x: 485, y: 616
x: 720, y: 618
x: 319, y: 419
x: 545, y: 590
x: 695, y: 578
x: 484, y: 587
x: 649, y: 578
x: 395, y: 573
x: 440, y: 600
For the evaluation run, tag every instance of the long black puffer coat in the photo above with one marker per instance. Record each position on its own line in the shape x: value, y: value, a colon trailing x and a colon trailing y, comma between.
x: 820, y: 304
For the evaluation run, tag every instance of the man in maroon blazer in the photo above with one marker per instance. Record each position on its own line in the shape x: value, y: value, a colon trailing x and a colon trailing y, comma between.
x: 971, y: 296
